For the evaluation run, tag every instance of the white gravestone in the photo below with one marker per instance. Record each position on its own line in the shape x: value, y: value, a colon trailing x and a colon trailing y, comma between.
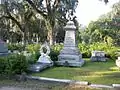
x: 70, y: 55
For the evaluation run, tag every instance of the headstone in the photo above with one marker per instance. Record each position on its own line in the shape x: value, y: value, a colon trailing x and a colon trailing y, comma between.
x: 44, y: 60
x: 118, y: 62
x: 98, y: 56
x: 3, y: 48
x: 70, y: 55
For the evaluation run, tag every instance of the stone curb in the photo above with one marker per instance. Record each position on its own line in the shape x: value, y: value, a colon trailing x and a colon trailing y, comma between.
x: 58, y: 80
x: 113, y: 86
x: 100, y: 86
x: 116, y: 85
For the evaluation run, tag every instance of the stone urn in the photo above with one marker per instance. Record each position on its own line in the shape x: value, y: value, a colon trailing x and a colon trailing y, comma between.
x: 118, y: 62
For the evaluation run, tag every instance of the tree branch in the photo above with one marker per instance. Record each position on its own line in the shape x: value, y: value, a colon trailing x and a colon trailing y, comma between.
x: 56, y: 4
x: 35, y: 8
x: 48, y: 5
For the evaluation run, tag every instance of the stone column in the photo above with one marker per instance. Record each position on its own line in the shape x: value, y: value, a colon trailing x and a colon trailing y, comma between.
x: 70, y: 55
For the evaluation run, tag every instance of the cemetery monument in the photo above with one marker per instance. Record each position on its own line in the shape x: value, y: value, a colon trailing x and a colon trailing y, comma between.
x: 70, y: 55
x: 44, y: 60
x: 98, y: 56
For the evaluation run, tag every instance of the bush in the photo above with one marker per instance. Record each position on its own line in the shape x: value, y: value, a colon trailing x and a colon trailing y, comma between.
x: 14, y: 46
x: 16, y: 64
x: 110, y: 50
x: 84, y: 49
x: 55, y: 50
x: 33, y: 48
x: 2, y: 65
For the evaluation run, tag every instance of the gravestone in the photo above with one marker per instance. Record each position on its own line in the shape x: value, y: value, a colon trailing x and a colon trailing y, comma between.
x: 3, y: 48
x: 118, y: 62
x: 70, y: 55
x: 44, y: 60
x: 98, y: 56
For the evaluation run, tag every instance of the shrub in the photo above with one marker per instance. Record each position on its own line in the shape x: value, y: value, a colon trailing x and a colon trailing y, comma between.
x: 14, y: 46
x: 86, y: 49
x: 33, y: 48
x: 2, y: 65
x: 55, y: 50
x: 16, y: 64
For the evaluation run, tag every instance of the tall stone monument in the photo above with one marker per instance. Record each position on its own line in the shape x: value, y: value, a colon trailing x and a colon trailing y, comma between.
x: 70, y: 55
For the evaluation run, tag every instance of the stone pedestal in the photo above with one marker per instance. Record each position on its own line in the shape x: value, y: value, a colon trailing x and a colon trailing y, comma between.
x: 70, y: 55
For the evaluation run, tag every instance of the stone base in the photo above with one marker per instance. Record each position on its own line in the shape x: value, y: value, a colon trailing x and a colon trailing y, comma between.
x: 96, y: 58
x: 70, y: 63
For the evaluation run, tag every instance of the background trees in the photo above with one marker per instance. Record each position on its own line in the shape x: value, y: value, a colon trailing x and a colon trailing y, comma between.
x: 105, y: 29
x: 37, y: 20
x: 44, y: 16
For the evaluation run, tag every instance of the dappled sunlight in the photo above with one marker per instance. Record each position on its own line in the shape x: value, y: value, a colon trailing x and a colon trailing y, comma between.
x: 93, y: 72
x: 114, y: 68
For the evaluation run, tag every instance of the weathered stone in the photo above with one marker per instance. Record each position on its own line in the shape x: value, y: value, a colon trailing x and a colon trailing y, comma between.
x: 98, y: 56
x: 70, y: 55
x: 3, y: 48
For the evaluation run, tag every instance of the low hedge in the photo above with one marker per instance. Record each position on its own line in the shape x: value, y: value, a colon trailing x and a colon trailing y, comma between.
x: 13, y: 64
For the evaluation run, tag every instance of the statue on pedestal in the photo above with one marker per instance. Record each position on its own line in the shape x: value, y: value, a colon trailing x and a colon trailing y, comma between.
x: 44, y: 60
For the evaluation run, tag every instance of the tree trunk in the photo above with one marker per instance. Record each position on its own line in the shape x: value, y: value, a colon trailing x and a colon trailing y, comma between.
x: 50, y: 37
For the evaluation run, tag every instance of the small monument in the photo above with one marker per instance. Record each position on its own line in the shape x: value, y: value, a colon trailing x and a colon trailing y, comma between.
x: 44, y: 60
x: 3, y: 48
x: 98, y: 56
x: 70, y: 55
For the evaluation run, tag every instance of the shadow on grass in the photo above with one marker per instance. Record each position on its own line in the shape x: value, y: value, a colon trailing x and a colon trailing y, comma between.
x: 93, y: 72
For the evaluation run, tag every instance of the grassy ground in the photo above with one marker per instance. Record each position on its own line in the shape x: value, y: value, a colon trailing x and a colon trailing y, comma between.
x: 93, y: 72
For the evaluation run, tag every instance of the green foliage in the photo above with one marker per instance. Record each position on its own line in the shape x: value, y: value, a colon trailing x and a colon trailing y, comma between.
x: 33, y: 48
x: 2, y: 64
x: 16, y: 64
x: 105, y: 29
x: 13, y: 64
x: 14, y: 46
x: 55, y: 50
x: 84, y: 49
x: 110, y: 50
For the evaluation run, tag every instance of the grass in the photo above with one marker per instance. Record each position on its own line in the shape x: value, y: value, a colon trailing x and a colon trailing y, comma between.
x: 93, y: 72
